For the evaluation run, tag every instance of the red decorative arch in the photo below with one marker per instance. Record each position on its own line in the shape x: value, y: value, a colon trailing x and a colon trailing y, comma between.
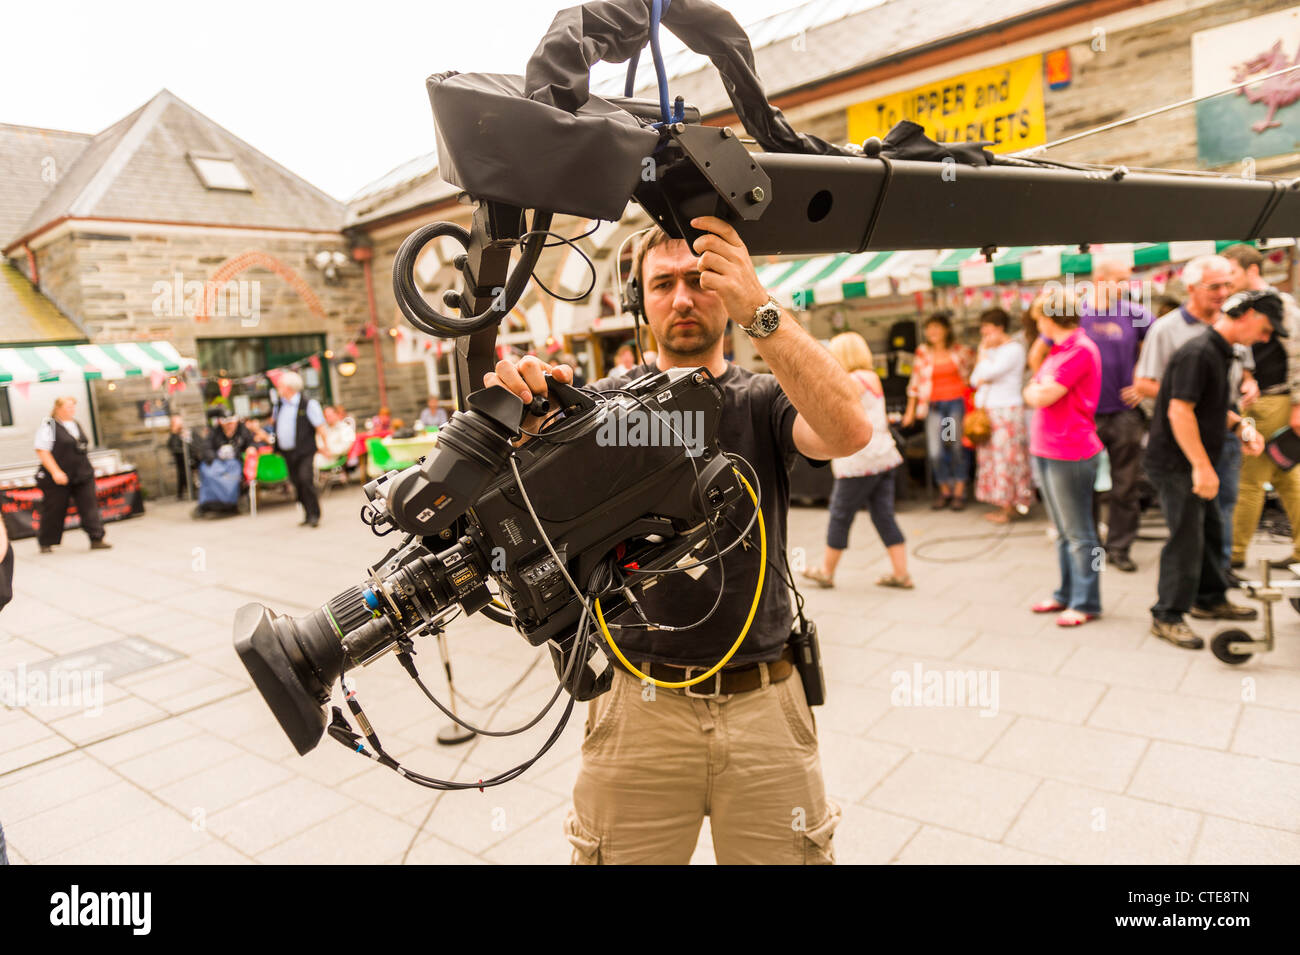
x: 228, y: 269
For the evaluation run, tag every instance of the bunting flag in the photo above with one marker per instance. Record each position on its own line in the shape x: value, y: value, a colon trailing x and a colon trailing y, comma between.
x: 224, y: 386
x: 156, y: 378
x: 315, y: 361
x: 351, y: 349
x: 23, y: 388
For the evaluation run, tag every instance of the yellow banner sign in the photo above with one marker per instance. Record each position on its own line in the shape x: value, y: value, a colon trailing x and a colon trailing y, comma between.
x: 1001, y: 104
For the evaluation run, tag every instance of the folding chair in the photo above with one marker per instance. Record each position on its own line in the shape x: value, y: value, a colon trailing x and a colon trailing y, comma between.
x: 271, y: 469
x: 333, y: 474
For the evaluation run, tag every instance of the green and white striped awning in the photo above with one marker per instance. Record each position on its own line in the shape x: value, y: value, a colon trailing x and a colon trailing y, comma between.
x: 827, y: 279
x: 76, y: 362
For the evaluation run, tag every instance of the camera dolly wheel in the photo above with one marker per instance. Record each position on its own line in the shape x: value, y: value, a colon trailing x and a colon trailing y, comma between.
x: 1234, y: 646
x: 1223, y: 643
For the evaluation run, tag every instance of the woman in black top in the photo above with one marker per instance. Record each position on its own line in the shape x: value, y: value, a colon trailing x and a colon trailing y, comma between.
x: 66, y: 475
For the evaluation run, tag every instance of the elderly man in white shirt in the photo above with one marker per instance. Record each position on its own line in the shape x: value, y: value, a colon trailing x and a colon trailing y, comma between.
x: 299, y: 428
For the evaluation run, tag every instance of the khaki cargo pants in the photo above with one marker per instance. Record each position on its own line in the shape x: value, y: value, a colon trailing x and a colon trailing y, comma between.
x: 655, y: 762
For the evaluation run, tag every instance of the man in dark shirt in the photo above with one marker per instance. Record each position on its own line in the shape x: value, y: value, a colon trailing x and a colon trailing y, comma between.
x: 1191, y: 423
x: 740, y: 747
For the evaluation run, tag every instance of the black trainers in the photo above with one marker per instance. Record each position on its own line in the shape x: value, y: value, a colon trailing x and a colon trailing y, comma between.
x: 1224, y: 611
x: 100, y: 544
x: 1179, y: 634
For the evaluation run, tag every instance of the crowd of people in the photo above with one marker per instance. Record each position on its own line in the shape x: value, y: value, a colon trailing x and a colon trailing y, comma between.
x: 313, y: 439
x: 1097, y: 403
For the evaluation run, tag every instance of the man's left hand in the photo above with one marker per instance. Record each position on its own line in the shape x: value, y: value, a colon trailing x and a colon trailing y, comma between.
x: 1295, y: 418
x: 727, y: 270
x: 1249, y: 391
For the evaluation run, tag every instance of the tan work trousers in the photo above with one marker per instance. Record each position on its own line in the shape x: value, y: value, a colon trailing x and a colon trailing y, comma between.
x: 655, y: 762
x: 1270, y: 413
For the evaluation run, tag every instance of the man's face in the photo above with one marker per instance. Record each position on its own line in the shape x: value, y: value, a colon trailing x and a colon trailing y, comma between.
x: 687, y: 321
x: 1112, y: 283
x: 1210, y: 292
x: 1237, y: 276
x: 228, y: 425
x: 286, y: 393
x: 1254, y: 327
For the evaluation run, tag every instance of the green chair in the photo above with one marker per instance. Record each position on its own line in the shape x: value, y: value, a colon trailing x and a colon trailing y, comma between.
x: 381, y: 459
x: 272, y: 469
x: 336, y: 472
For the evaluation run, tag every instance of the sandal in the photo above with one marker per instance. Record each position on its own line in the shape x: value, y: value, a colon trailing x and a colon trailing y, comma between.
x: 818, y: 576
x: 1048, y: 606
x: 889, y: 580
x: 959, y: 503
x: 1068, y: 619
x: 941, y: 503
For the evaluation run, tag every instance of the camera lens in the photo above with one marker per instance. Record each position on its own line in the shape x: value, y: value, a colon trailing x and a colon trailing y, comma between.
x: 294, y: 661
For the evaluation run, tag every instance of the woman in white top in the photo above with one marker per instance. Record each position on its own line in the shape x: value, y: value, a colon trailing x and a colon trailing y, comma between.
x: 865, y: 479
x: 1002, y: 475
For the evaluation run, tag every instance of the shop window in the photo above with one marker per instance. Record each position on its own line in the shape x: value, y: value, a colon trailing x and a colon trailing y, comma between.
x: 244, y: 362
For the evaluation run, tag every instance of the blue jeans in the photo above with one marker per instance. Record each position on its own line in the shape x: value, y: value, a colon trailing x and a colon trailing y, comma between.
x: 943, y: 440
x: 874, y: 492
x: 1228, y: 468
x: 1067, y: 492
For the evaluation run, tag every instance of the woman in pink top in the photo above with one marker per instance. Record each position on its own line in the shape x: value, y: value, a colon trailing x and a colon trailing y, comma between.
x: 1066, y: 450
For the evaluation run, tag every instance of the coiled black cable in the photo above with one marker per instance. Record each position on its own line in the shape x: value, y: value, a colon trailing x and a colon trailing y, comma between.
x: 428, y: 319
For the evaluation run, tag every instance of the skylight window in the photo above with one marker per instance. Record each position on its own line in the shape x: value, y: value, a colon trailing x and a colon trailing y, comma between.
x: 218, y: 172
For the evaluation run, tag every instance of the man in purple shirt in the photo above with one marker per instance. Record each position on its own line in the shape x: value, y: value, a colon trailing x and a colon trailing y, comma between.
x: 1118, y: 326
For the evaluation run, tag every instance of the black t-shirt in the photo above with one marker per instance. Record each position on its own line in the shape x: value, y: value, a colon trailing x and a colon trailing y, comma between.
x: 1270, y: 363
x: 757, y: 423
x: 1197, y: 373
x: 240, y: 441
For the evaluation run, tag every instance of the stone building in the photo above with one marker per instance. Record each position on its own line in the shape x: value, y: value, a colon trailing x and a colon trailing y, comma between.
x: 166, y: 227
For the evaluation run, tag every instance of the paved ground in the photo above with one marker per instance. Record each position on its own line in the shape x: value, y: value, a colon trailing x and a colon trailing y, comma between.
x: 1100, y: 744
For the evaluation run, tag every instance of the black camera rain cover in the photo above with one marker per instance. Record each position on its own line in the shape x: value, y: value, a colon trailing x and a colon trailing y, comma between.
x: 497, y: 144
x: 544, y: 141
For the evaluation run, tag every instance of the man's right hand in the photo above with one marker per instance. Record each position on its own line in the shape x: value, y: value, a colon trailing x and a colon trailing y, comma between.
x: 1205, y: 482
x: 524, y: 378
x: 60, y: 477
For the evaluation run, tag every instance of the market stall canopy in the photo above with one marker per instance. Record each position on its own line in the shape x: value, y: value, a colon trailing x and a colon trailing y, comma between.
x: 827, y: 279
x: 91, y: 362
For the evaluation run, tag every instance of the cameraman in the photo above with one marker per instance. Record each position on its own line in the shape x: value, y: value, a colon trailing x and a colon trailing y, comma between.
x: 741, y: 747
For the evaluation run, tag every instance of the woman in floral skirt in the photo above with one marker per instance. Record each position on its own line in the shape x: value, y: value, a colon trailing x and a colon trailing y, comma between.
x: 1002, y: 475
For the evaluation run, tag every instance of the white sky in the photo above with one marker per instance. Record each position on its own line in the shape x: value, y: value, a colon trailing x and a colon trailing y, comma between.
x: 333, y: 91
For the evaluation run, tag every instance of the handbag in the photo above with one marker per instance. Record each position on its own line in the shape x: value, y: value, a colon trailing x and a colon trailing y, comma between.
x: 977, y: 427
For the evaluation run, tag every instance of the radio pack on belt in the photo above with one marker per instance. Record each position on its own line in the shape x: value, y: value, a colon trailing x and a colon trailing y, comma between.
x: 808, y: 661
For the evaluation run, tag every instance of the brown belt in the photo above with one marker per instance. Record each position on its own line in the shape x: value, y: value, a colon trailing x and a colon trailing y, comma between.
x: 726, y: 681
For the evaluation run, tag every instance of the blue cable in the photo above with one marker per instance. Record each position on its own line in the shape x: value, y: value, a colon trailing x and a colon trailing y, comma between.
x: 657, y: 10
x: 629, y: 85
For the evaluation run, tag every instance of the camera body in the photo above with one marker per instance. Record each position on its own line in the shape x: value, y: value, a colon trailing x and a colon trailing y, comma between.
x: 627, y: 480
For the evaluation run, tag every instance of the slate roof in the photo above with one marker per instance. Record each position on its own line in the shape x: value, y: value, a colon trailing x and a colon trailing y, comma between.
x: 139, y: 169
x: 31, y: 162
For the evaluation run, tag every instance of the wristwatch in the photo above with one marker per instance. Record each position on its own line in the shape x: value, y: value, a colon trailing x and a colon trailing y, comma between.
x: 766, y: 318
